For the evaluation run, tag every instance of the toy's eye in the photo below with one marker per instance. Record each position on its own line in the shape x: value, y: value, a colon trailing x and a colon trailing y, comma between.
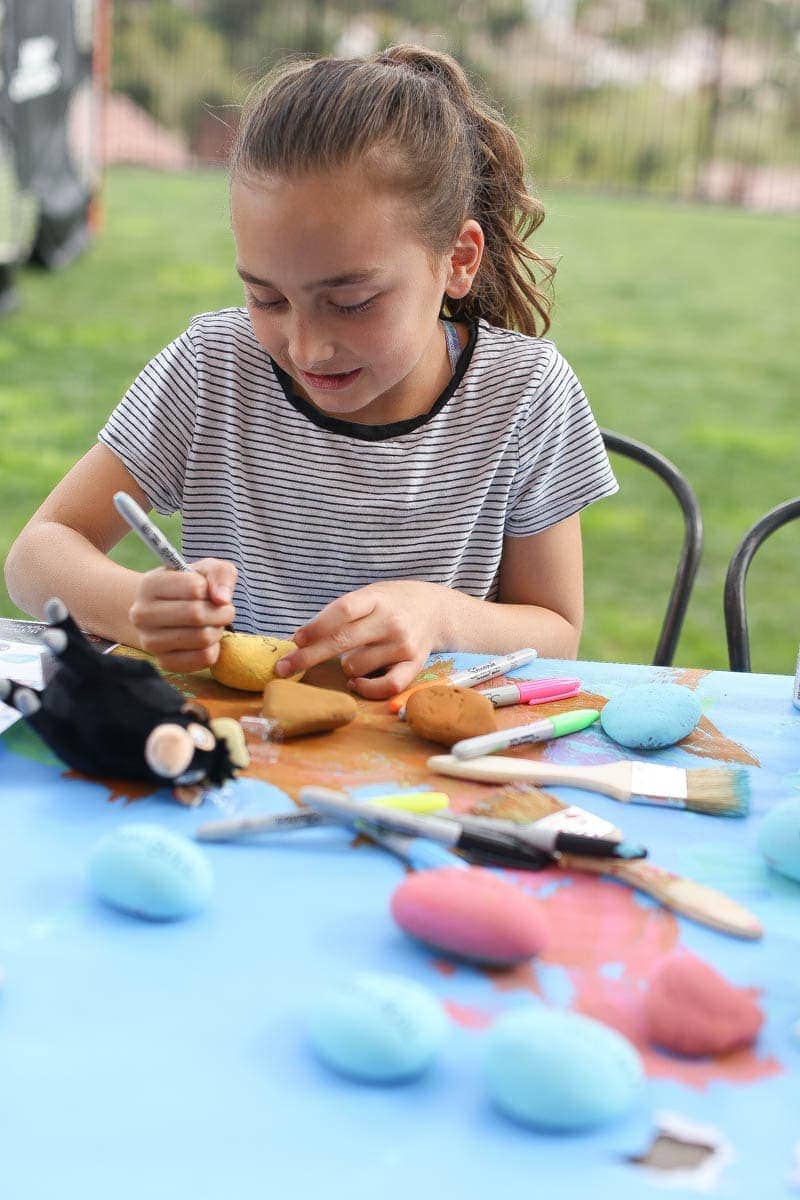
x: 202, y: 737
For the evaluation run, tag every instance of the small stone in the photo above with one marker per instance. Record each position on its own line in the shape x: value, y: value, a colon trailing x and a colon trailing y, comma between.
x: 651, y: 715
x: 471, y: 914
x: 447, y: 714
x: 692, y: 1010
x: 299, y: 708
x: 247, y: 660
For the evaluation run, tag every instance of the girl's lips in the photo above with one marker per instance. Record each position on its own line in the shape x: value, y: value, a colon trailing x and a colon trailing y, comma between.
x: 333, y: 382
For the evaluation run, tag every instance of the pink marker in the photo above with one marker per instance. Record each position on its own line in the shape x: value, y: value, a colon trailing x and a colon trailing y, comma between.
x: 532, y: 691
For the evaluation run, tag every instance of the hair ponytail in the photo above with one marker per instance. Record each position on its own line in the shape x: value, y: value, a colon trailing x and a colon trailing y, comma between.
x: 410, y: 117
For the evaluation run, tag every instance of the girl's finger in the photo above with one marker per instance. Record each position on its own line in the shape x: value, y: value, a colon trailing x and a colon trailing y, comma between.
x: 177, y: 614
x: 221, y: 577
x: 396, y: 679
x: 335, y: 616
x: 346, y: 638
x: 366, y: 659
x: 167, y: 641
x: 183, y: 662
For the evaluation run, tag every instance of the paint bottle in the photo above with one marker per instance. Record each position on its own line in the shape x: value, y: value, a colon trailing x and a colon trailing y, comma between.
x: 796, y: 692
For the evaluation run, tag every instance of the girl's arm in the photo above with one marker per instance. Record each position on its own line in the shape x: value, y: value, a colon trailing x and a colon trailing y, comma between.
x: 62, y: 551
x: 394, y: 626
x: 540, y: 598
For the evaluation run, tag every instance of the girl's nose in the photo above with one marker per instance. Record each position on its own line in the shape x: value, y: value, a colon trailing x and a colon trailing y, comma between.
x: 309, y: 347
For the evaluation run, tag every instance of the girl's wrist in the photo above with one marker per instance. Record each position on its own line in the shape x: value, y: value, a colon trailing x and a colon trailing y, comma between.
x: 451, y: 617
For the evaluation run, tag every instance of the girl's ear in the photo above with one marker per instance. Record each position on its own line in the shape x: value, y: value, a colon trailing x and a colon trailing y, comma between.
x: 465, y: 258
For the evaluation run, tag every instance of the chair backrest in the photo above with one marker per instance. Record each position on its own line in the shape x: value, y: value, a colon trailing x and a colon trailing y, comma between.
x: 734, y: 602
x: 691, y: 547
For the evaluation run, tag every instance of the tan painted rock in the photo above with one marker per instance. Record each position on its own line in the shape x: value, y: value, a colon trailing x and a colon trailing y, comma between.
x: 247, y: 660
x: 299, y: 708
x: 447, y: 714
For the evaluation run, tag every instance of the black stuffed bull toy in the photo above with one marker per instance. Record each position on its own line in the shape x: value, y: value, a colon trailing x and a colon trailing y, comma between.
x: 116, y: 718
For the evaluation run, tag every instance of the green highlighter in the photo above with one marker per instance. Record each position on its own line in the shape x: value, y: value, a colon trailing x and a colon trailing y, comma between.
x: 520, y: 735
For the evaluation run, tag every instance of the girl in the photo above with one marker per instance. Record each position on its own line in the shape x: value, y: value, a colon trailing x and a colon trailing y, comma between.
x: 377, y: 457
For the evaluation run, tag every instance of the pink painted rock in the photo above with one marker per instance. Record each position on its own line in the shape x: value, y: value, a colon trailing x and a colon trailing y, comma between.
x: 472, y: 914
x: 691, y: 1009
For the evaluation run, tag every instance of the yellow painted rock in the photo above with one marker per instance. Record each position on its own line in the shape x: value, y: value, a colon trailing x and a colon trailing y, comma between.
x: 298, y: 708
x: 247, y: 660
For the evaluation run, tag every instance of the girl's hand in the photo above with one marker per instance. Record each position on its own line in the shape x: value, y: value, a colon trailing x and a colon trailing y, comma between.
x: 181, y: 615
x: 390, y: 627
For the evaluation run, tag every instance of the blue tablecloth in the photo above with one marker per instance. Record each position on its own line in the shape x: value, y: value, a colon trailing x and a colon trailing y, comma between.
x: 150, y: 1060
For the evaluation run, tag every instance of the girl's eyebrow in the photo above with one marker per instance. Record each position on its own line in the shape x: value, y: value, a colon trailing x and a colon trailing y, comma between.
x: 333, y: 282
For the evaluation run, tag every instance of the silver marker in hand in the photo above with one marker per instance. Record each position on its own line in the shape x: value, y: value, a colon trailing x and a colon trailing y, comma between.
x: 150, y: 534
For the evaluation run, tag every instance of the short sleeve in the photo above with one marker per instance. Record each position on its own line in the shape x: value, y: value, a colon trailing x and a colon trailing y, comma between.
x: 151, y: 429
x: 562, y: 462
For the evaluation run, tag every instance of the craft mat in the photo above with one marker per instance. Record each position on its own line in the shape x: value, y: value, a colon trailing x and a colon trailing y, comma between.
x: 170, y: 1059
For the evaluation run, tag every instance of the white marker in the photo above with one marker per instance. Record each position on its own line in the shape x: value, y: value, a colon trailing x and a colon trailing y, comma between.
x: 521, y: 735
x: 470, y: 676
x: 150, y: 534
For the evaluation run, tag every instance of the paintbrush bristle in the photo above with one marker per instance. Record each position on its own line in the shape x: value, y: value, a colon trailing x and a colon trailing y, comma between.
x: 720, y: 791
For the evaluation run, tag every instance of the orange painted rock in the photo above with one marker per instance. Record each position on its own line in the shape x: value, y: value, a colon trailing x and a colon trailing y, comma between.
x: 447, y: 714
x: 691, y: 1009
x: 472, y: 914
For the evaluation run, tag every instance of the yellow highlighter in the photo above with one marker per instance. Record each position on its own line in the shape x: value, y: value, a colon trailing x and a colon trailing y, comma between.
x: 233, y: 828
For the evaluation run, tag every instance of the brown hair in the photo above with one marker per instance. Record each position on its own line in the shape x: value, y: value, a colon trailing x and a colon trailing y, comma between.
x: 409, y: 115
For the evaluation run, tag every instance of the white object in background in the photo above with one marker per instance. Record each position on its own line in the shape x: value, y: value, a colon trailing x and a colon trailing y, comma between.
x: 23, y: 663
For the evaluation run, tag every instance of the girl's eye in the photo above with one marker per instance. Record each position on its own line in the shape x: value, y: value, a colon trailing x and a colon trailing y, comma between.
x: 256, y: 303
x: 347, y: 310
x: 350, y: 309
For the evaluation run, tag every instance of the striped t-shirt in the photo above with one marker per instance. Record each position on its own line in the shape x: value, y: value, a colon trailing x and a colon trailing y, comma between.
x: 309, y: 507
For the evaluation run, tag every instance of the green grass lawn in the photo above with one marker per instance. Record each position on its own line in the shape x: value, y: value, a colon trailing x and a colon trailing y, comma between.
x: 680, y: 321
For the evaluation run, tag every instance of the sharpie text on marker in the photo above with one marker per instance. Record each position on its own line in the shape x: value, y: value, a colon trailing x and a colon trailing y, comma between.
x: 471, y: 675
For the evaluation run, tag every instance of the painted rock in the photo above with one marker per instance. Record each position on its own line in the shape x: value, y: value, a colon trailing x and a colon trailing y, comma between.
x: 447, y: 714
x: 378, y: 1028
x: 247, y: 660
x: 651, y: 715
x: 472, y: 914
x: 779, y: 838
x: 151, y: 872
x: 560, y: 1071
x: 298, y: 708
x: 690, y: 1009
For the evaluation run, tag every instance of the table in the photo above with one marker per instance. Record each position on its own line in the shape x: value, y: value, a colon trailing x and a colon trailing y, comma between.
x: 143, y: 1059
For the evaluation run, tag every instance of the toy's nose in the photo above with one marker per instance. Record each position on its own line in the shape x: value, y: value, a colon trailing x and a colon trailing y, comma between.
x: 168, y: 750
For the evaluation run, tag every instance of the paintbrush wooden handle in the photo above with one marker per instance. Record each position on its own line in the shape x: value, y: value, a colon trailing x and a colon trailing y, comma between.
x: 694, y: 900
x: 612, y: 779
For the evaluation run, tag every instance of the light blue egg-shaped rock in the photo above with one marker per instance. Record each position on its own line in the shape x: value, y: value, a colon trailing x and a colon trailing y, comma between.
x: 779, y: 838
x: 651, y: 715
x: 560, y: 1071
x: 149, y: 871
x: 378, y: 1028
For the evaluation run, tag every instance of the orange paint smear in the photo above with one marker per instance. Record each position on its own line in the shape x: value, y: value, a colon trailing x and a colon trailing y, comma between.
x: 594, y: 922
x: 119, y: 789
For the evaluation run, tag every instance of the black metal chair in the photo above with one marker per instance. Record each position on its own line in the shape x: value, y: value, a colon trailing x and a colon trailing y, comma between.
x: 734, y: 598
x: 692, y: 545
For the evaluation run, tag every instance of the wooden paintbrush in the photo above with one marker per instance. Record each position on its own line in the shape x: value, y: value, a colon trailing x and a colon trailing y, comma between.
x: 718, y: 791
x: 694, y: 900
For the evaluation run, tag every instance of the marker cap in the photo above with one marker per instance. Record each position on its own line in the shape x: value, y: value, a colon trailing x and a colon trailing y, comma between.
x: 538, y: 691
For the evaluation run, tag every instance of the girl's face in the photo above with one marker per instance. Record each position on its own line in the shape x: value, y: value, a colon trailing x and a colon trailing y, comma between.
x: 343, y: 295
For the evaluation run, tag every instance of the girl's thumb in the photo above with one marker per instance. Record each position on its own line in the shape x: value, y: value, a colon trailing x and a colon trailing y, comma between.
x: 221, y: 577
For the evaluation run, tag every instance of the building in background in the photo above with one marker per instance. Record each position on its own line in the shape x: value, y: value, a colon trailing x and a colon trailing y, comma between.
x: 53, y: 72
